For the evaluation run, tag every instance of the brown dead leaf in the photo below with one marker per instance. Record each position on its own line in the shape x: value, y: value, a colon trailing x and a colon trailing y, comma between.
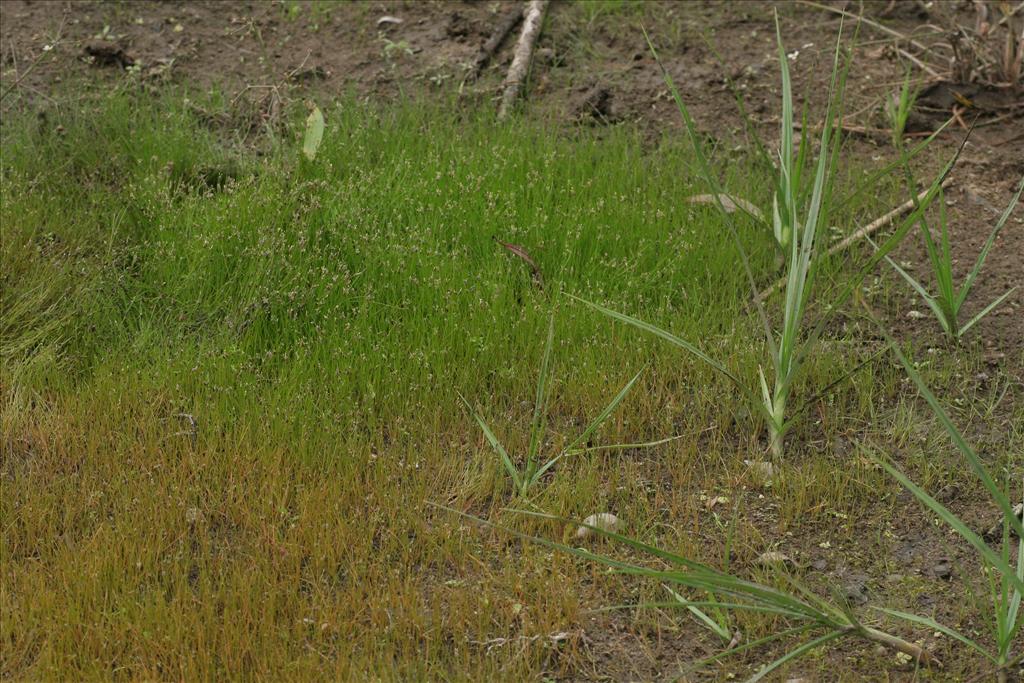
x: 710, y: 503
x: 525, y: 256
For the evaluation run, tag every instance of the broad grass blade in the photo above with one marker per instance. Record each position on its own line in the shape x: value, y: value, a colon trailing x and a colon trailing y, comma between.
x: 712, y: 625
x: 681, y: 343
x: 972, y: 458
x: 930, y: 623
x: 540, y: 403
x: 940, y: 313
x: 496, y: 445
x: 991, y: 556
x: 796, y: 652
x: 608, y: 410
x: 988, y: 244
x: 625, y: 446
x: 985, y: 311
x: 880, y: 253
x: 716, y: 191
x: 746, y: 646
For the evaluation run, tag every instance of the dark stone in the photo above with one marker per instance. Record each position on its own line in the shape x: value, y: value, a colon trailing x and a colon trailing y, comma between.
x: 105, y: 53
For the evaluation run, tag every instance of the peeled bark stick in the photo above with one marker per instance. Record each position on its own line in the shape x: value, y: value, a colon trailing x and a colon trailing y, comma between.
x: 521, y: 61
x: 918, y: 653
x: 501, y: 31
x: 868, y: 229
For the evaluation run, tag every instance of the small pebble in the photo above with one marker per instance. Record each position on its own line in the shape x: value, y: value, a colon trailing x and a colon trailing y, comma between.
x: 947, y: 494
x: 942, y: 569
x: 855, y: 590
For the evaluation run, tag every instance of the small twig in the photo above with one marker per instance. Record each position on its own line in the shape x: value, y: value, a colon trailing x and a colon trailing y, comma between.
x: 920, y: 64
x: 495, y: 642
x: 867, y: 230
x: 869, y: 22
x: 831, y: 385
x: 958, y: 116
x: 291, y: 74
x: 888, y: 9
x: 501, y: 31
x: 521, y: 61
x: 914, y: 650
x: 1009, y: 15
x: 998, y: 119
x: 53, y: 46
x: 193, y: 431
x: 849, y: 128
x: 1013, y: 138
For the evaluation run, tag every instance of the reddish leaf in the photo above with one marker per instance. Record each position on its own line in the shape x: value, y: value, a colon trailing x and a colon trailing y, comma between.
x: 523, y: 254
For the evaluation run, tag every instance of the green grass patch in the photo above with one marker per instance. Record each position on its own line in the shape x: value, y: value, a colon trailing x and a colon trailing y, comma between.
x: 231, y: 378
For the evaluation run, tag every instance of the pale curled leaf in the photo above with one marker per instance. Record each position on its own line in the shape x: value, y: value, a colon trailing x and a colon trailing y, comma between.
x: 728, y: 203
x: 314, y: 133
x: 603, y: 521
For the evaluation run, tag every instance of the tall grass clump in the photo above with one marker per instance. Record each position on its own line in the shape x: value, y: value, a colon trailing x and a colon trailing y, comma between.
x: 946, y: 299
x: 801, y: 206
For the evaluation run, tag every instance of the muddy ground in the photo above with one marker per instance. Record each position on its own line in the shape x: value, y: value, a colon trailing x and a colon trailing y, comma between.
x: 592, y: 69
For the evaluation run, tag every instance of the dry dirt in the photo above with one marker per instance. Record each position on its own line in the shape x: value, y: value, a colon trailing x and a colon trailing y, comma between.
x: 591, y: 70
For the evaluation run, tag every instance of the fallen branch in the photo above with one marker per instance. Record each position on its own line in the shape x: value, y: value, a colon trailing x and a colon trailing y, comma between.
x: 501, y: 31
x: 867, y: 230
x: 870, y: 133
x: 521, y: 61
